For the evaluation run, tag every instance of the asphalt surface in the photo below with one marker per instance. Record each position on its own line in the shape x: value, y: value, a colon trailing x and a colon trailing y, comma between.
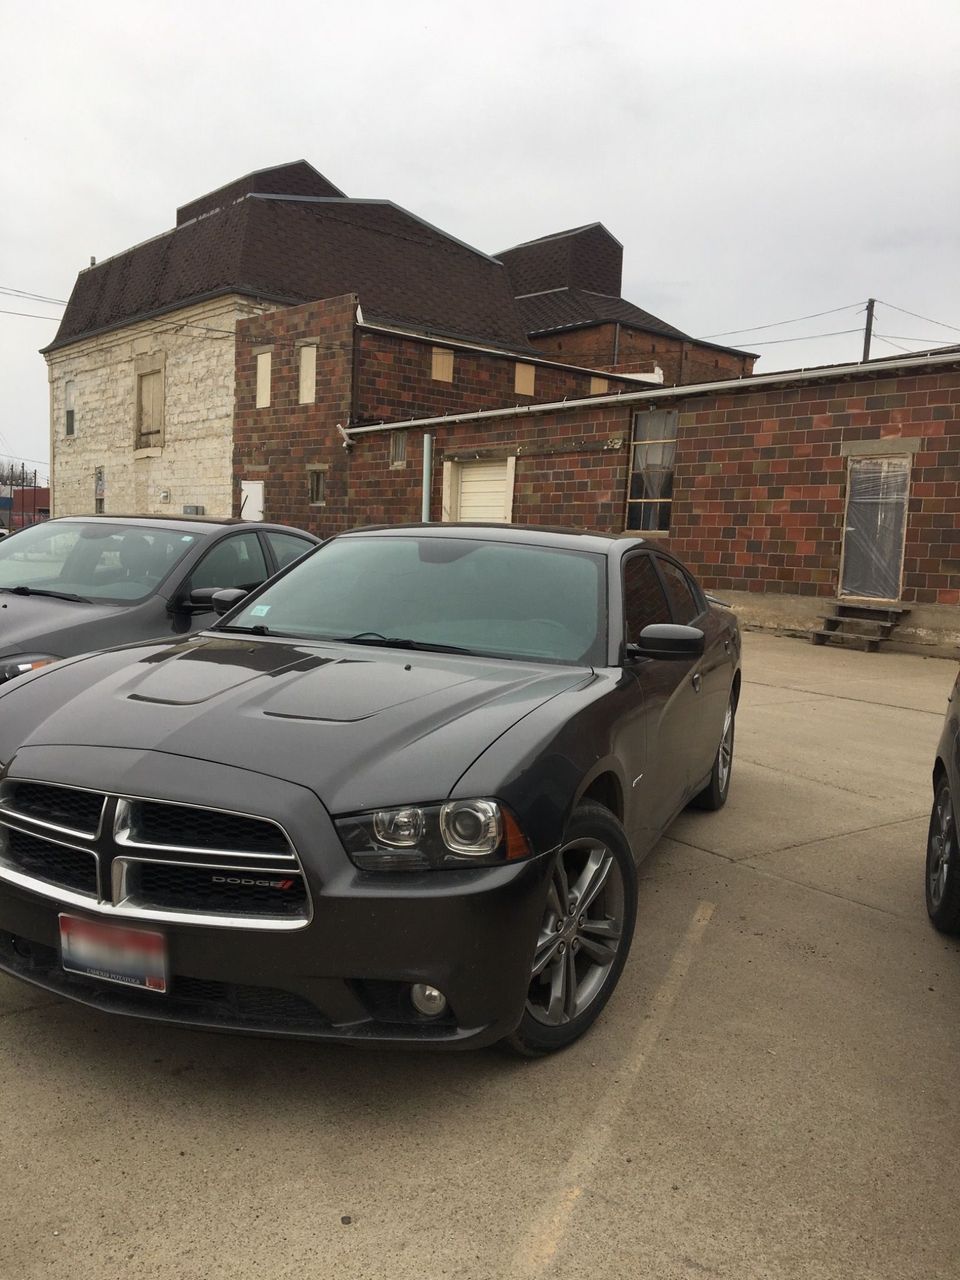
x: 772, y: 1092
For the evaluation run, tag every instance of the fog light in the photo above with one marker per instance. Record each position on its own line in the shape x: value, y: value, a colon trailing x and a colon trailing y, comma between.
x: 427, y: 1000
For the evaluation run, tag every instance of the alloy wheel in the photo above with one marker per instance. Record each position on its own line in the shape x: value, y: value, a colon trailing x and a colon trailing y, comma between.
x: 726, y: 750
x: 580, y: 933
x: 942, y: 847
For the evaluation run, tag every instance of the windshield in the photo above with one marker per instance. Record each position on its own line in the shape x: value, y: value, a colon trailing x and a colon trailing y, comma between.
x: 113, y: 563
x: 493, y: 598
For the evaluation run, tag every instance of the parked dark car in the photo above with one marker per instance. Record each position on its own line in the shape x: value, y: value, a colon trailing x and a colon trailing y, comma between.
x: 397, y: 795
x: 80, y: 583
x: 943, y: 854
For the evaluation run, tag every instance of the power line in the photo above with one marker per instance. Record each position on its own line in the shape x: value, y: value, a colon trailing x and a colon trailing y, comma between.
x: 30, y: 315
x: 890, y: 343
x: 942, y: 323
x: 33, y: 297
x: 778, y: 323
x: 908, y: 337
x: 804, y: 337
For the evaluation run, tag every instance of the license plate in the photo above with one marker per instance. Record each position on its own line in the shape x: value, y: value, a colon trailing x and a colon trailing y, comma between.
x: 114, y: 953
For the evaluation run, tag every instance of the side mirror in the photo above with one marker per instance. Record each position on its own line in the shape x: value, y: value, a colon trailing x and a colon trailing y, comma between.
x: 666, y: 640
x: 224, y: 601
x: 200, y: 601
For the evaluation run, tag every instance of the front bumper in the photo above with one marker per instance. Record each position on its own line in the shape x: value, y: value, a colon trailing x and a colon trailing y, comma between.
x: 345, y: 974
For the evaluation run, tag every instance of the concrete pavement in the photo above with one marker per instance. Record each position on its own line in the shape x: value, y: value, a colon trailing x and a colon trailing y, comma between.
x: 772, y: 1092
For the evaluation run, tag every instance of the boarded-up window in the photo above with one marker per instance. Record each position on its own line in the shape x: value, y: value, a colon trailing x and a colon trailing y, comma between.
x: 150, y: 410
x: 524, y: 379
x: 69, y: 393
x: 308, y: 374
x: 264, y: 363
x: 598, y: 386
x: 442, y: 370
x: 318, y: 487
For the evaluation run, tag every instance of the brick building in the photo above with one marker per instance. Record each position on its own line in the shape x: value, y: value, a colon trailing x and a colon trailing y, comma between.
x: 784, y: 491
x: 142, y: 368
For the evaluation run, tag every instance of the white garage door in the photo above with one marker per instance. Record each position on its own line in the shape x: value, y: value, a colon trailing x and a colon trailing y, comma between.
x: 481, y: 491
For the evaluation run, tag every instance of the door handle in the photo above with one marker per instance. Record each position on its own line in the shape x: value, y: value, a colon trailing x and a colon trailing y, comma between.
x: 697, y: 679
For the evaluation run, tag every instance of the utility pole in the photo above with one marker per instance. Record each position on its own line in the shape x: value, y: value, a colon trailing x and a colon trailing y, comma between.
x: 868, y: 328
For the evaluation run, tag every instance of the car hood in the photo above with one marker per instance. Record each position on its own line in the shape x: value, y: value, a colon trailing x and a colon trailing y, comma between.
x: 360, y: 727
x: 39, y: 624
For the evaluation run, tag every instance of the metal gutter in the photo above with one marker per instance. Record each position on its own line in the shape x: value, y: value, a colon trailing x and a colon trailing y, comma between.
x: 825, y: 373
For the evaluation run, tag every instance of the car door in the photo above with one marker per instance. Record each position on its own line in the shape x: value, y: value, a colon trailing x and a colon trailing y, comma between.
x: 702, y: 701
x: 655, y: 736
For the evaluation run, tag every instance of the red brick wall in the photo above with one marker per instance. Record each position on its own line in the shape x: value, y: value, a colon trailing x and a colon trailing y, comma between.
x: 760, y: 483
x: 394, y: 380
x: 277, y: 444
x: 638, y: 352
x: 569, y: 469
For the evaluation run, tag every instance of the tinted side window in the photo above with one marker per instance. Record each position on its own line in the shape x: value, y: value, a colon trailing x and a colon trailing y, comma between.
x: 286, y: 547
x: 685, y: 605
x: 643, y: 598
x: 235, y: 562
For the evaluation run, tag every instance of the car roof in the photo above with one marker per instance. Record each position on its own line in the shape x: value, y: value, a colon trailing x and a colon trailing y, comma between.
x: 530, y: 534
x: 208, y: 524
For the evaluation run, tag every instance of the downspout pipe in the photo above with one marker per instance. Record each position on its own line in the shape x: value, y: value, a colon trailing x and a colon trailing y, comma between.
x: 427, y: 478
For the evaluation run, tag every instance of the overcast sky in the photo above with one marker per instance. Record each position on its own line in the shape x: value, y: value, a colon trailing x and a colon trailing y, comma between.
x: 758, y: 161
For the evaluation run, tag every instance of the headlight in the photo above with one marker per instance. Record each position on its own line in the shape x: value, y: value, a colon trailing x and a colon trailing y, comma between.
x: 19, y: 664
x: 458, y: 833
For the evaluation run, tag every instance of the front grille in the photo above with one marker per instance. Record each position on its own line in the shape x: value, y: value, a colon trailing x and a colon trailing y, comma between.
x: 212, y: 889
x: 180, y: 826
x: 55, y: 863
x: 61, y: 806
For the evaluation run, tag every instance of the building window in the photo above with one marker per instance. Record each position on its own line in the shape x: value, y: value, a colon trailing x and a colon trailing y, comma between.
x: 318, y: 486
x: 69, y: 394
x: 598, y: 386
x: 398, y: 448
x: 150, y: 410
x: 652, y: 453
x: 99, y: 491
x: 308, y: 373
x: 442, y: 370
x: 524, y: 379
x: 264, y: 363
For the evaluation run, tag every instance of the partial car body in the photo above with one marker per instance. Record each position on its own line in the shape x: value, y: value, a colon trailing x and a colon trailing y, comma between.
x: 398, y: 794
x: 943, y: 854
x: 80, y: 583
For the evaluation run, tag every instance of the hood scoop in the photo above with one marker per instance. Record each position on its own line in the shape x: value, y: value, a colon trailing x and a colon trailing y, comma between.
x: 195, y: 673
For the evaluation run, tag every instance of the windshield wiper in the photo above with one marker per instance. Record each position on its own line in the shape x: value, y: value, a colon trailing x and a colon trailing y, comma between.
x: 258, y: 630
x: 399, y: 642
x: 41, y: 591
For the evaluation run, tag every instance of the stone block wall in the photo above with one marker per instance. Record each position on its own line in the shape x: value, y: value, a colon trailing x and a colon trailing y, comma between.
x: 195, y: 346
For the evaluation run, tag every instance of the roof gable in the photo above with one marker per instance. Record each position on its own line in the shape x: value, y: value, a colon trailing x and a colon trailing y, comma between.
x: 298, y: 178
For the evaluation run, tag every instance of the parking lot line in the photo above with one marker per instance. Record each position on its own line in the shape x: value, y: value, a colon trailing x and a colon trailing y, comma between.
x: 546, y: 1232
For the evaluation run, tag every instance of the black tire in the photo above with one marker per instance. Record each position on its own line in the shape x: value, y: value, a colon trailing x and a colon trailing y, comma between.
x: 580, y: 954
x: 714, y: 794
x: 943, y: 862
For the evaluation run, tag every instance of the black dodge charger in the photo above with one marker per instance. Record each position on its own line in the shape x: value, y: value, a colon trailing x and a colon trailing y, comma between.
x: 397, y: 794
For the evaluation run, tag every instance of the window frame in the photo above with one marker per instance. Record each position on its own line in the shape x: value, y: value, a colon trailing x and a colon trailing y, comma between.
x: 524, y: 378
x: 148, y: 366
x: 441, y: 364
x: 262, y: 385
x: 69, y: 407
x: 304, y: 360
x: 317, y: 472
x: 671, y: 419
x: 187, y: 585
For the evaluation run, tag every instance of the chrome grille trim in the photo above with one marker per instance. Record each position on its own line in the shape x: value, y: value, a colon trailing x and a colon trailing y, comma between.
x: 112, y: 854
x: 8, y: 807
x: 123, y: 826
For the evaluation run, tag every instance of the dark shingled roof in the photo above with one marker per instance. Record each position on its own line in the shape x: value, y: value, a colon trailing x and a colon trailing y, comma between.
x: 577, y: 308
x: 295, y: 179
x: 291, y: 248
x: 586, y: 257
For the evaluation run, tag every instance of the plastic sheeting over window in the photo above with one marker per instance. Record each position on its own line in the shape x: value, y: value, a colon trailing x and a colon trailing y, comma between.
x: 876, y: 520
